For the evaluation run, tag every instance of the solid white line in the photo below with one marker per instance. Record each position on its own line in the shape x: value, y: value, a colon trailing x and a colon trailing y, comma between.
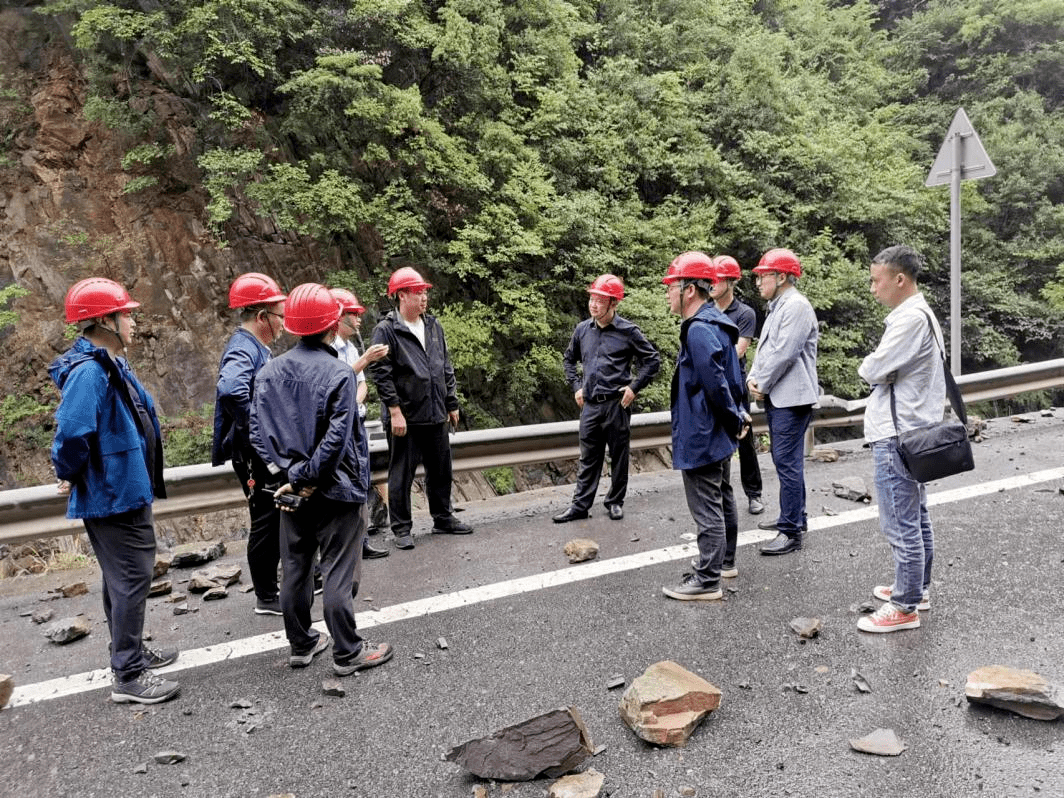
x: 248, y: 646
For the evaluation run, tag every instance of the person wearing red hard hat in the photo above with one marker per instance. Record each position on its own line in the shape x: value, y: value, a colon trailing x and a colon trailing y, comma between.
x: 745, y: 319
x: 347, y: 344
x: 108, y: 456
x: 708, y: 418
x: 305, y: 426
x: 259, y: 303
x: 605, y: 345
x: 419, y: 403
x: 784, y: 379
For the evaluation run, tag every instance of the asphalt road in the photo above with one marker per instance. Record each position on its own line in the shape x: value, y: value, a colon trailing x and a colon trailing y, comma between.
x: 527, y: 632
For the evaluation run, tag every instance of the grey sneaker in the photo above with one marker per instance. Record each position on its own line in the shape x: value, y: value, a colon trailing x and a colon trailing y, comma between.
x: 367, y: 658
x: 303, y: 660
x: 147, y: 688
x: 271, y: 607
x: 159, y: 658
x: 690, y: 589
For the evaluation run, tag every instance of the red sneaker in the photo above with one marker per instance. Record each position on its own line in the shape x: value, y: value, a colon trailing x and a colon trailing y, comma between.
x: 889, y: 618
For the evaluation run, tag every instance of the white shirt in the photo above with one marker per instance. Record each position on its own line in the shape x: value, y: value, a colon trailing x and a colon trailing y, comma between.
x: 349, y: 354
x: 417, y: 327
x: 909, y: 356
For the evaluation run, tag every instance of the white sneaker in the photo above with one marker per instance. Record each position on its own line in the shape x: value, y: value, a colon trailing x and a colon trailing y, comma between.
x: 883, y: 593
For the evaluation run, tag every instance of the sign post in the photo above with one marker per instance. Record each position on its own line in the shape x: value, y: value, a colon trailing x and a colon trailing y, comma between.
x: 961, y: 157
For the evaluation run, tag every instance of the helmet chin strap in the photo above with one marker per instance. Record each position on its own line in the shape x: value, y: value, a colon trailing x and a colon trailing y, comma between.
x: 114, y: 332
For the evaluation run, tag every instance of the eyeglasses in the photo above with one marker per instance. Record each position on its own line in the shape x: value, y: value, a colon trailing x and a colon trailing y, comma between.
x: 759, y: 277
x: 278, y: 315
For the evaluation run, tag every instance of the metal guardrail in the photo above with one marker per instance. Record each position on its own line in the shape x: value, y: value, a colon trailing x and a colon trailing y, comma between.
x: 39, y: 512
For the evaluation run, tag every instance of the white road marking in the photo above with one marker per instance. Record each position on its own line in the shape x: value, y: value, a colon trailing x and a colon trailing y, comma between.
x: 248, y: 646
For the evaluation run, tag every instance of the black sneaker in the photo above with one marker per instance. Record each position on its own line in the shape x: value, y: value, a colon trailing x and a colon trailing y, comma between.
x: 690, y: 589
x: 271, y: 607
x: 147, y: 688
x: 452, y: 527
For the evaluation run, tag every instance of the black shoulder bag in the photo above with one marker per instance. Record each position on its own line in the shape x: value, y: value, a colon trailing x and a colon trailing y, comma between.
x: 943, y: 449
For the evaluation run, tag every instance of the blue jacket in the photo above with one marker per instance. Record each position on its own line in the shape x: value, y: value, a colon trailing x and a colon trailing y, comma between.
x: 419, y: 379
x: 242, y: 359
x: 707, y: 390
x: 304, y: 419
x: 98, y: 447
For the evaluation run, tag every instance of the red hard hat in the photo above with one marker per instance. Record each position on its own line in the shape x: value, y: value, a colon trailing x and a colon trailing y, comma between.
x: 406, y: 278
x: 347, y: 300
x: 310, y: 309
x: 693, y: 265
x: 95, y: 297
x: 672, y: 275
x: 609, y: 285
x: 779, y: 260
x: 254, y: 289
x: 727, y: 267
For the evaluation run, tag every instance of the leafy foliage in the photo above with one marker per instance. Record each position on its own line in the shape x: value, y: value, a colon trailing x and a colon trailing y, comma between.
x: 517, y: 150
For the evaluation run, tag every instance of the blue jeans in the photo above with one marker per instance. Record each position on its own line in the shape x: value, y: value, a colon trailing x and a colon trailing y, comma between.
x: 787, y: 427
x: 905, y: 523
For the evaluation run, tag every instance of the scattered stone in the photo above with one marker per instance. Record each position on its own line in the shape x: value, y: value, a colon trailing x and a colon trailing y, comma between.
x: 824, y: 454
x: 658, y: 794
x: 7, y: 687
x: 282, y: 795
x: 828, y: 511
x: 686, y: 790
x: 852, y: 489
x: 43, y: 615
x: 441, y: 643
x: 822, y: 669
x: 216, y: 593
x: 881, y: 742
x: 162, y: 564
x: 480, y: 791
x: 581, y: 550
x: 247, y: 588
x: 666, y: 703
x: 579, y: 785
x: 181, y: 609
x: 74, y: 589
x: 161, y: 588
x: 1047, y: 414
x: 598, y: 750
x: 801, y: 689
x: 169, y: 757
x: 202, y: 556
x: 240, y: 703
x: 1021, y: 420
x: 806, y: 627
x: 176, y: 598
x: 688, y: 536
x: 617, y: 680
x: 863, y: 607
x: 141, y: 768
x: 201, y: 583
x: 548, y: 745
x: 67, y: 630
x: 225, y: 574
x: 1023, y: 692
x: 860, y: 682
x: 333, y: 687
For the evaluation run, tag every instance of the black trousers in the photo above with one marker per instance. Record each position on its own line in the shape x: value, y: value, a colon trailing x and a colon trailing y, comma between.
x: 749, y: 470
x: 124, y: 545
x: 264, y: 542
x: 605, y: 425
x: 429, y: 445
x: 336, y: 529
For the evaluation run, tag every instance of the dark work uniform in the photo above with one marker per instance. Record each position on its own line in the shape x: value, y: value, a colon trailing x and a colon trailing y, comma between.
x: 744, y: 317
x: 420, y: 381
x: 606, y: 354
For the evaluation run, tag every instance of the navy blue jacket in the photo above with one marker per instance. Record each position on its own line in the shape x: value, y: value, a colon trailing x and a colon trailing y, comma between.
x: 419, y: 379
x: 244, y: 355
x: 706, y: 391
x: 98, y: 447
x: 304, y: 420
x: 607, y: 354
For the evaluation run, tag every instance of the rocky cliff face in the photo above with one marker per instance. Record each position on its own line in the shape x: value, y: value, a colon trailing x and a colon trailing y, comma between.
x: 64, y: 216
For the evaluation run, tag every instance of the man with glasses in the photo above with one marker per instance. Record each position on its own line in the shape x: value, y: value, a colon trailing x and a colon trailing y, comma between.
x: 347, y: 344
x: 419, y: 404
x: 260, y: 303
x: 783, y: 378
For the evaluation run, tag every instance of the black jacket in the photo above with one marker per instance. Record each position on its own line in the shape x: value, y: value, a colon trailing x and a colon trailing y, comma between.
x: 420, y: 380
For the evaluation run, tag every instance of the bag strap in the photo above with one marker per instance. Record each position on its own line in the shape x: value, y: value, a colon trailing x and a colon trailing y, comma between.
x: 952, y: 391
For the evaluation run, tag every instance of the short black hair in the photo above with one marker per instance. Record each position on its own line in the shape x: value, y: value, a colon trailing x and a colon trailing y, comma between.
x: 902, y: 258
